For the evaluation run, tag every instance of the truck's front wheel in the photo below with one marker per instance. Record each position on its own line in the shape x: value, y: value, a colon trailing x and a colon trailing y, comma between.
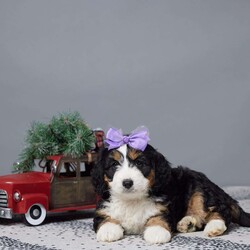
x: 35, y: 215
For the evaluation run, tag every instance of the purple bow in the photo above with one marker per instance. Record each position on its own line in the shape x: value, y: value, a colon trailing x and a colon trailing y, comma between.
x: 138, y: 139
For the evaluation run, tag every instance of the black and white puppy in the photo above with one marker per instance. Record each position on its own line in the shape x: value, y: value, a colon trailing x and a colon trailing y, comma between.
x: 141, y: 194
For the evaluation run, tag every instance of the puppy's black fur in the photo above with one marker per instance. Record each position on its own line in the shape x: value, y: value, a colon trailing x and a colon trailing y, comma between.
x: 183, y: 192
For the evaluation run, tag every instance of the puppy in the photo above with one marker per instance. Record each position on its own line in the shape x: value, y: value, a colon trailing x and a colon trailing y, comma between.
x: 141, y: 194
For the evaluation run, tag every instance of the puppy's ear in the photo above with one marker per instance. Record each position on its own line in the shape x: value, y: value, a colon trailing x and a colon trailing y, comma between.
x: 162, y: 171
x: 98, y: 181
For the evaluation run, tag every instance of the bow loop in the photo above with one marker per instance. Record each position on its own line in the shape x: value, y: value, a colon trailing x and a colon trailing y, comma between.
x: 138, y: 139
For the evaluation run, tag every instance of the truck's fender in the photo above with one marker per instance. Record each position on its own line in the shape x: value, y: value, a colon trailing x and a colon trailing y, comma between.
x: 30, y: 199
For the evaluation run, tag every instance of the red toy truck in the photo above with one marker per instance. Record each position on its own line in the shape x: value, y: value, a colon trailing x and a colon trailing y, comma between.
x: 64, y: 184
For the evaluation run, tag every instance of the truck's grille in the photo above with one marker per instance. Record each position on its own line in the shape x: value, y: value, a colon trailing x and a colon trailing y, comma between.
x: 3, y: 198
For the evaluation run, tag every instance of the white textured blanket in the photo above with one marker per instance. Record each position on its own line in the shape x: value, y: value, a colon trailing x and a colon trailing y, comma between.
x: 74, y: 231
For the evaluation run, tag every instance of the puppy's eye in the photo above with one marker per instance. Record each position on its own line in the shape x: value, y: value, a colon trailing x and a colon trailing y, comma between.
x: 114, y: 164
x: 138, y: 163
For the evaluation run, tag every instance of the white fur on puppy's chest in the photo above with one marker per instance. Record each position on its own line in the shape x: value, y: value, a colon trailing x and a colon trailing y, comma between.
x: 132, y: 214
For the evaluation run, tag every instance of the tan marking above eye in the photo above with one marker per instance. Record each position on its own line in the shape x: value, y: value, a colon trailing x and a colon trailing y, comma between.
x: 116, y: 155
x: 133, y: 153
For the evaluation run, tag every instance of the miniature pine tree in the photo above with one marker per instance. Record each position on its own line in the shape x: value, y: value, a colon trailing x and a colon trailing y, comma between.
x: 65, y: 134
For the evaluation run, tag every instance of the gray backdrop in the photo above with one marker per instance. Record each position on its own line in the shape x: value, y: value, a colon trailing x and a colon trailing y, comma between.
x: 182, y: 68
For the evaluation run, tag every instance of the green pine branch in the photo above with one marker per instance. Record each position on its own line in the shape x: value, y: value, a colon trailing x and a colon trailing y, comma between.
x: 66, y: 134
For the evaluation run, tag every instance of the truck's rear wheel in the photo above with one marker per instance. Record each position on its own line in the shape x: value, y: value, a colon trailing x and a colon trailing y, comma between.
x: 35, y: 215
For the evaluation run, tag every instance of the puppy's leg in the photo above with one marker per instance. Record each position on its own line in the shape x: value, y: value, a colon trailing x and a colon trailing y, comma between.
x: 215, y: 226
x: 187, y: 224
x: 109, y: 232
x: 106, y: 228
x: 195, y: 216
x: 157, y: 230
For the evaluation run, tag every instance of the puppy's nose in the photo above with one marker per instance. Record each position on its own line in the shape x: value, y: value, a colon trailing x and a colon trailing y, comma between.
x: 127, y: 183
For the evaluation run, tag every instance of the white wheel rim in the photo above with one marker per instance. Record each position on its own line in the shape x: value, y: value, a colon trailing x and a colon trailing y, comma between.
x: 36, y: 214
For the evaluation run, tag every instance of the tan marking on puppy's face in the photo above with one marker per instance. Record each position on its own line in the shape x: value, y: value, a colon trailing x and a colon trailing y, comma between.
x: 151, y: 178
x: 133, y: 154
x: 106, y: 179
x: 158, y: 221
x: 116, y: 155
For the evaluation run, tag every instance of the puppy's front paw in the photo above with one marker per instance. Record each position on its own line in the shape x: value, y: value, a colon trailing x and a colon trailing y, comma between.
x: 187, y: 224
x: 109, y: 232
x: 156, y: 234
x: 215, y: 228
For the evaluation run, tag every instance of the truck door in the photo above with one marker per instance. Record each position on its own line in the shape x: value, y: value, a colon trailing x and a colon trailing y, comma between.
x: 86, y: 193
x: 64, y: 187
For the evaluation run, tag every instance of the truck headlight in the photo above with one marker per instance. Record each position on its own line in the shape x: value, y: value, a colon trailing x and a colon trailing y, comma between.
x: 17, y: 196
